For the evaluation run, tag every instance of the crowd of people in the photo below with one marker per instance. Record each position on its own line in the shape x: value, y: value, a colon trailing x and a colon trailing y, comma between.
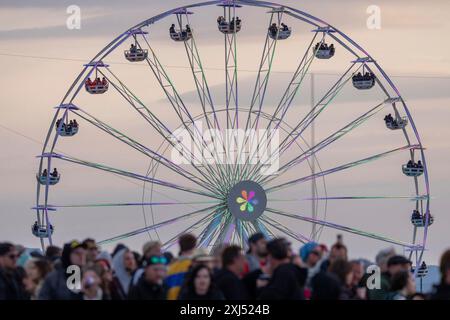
x: 268, y: 270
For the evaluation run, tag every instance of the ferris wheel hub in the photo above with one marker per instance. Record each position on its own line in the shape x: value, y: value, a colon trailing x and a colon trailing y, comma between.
x: 247, y: 200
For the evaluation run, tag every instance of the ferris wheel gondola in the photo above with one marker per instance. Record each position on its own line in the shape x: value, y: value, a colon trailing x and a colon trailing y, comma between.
x: 52, y: 178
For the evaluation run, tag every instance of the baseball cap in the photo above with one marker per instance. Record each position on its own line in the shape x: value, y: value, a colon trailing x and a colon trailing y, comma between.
x: 398, y: 259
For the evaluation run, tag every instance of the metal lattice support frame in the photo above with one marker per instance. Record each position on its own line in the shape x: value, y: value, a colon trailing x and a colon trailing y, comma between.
x: 231, y: 71
x: 211, y: 182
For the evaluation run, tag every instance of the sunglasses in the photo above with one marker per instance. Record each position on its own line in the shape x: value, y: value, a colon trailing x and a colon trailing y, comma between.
x: 158, y: 260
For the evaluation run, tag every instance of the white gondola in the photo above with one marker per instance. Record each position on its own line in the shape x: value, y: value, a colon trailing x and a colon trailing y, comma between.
x: 419, y: 220
x: 96, y: 88
x: 423, y: 270
x: 363, y: 82
x: 52, y: 180
x: 136, y: 55
x: 41, y: 231
x: 182, y: 35
x: 398, y: 123
x: 66, y: 130
x: 282, y: 34
x: 325, y: 53
x: 229, y: 27
x: 412, y: 171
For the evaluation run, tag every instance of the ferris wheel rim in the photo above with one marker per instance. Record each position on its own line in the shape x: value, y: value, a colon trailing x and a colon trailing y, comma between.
x: 305, y: 17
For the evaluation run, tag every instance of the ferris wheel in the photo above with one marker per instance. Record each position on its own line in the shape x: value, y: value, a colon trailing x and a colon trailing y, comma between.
x: 225, y: 186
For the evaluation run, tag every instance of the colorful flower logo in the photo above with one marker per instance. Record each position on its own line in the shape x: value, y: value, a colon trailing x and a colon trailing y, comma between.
x: 247, y: 201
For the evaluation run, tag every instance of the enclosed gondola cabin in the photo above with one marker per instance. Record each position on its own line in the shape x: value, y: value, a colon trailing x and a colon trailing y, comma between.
x: 324, y: 51
x: 136, y: 54
x: 279, y: 33
x: 414, y: 170
x: 396, y: 124
x: 96, y: 87
x: 229, y: 22
x: 66, y: 129
x: 52, y: 179
x: 419, y: 220
x: 364, y: 81
x: 41, y: 231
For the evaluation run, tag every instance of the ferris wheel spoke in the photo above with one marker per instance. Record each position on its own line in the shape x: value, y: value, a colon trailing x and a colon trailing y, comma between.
x: 285, y: 230
x: 285, y: 102
x: 411, y: 198
x: 204, y: 93
x: 200, y: 81
x: 264, y: 70
x: 339, y: 168
x: 143, y: 149
x: 325, y: 142
x: 344, y: 228
x: 211, y: 229
x: 155, y: 226
x: 295, y: 84
x: 180, y: 109
x: 231, y: 74
x: 226, y: 231
x: 290, y: 92
x: 128, y: 204
x: 309, y: 117
x: 164, y: 132
x: 132, y: 175
x: 260, y: 88
x: 260, y: 227
x: 241, y: 232
x: 231, y: 83
x: 137, y: 103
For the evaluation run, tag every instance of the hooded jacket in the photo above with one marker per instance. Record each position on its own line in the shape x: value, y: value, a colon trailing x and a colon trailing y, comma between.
x: 55, y: 284
x: 11, y: 287
x: 121, y: 275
